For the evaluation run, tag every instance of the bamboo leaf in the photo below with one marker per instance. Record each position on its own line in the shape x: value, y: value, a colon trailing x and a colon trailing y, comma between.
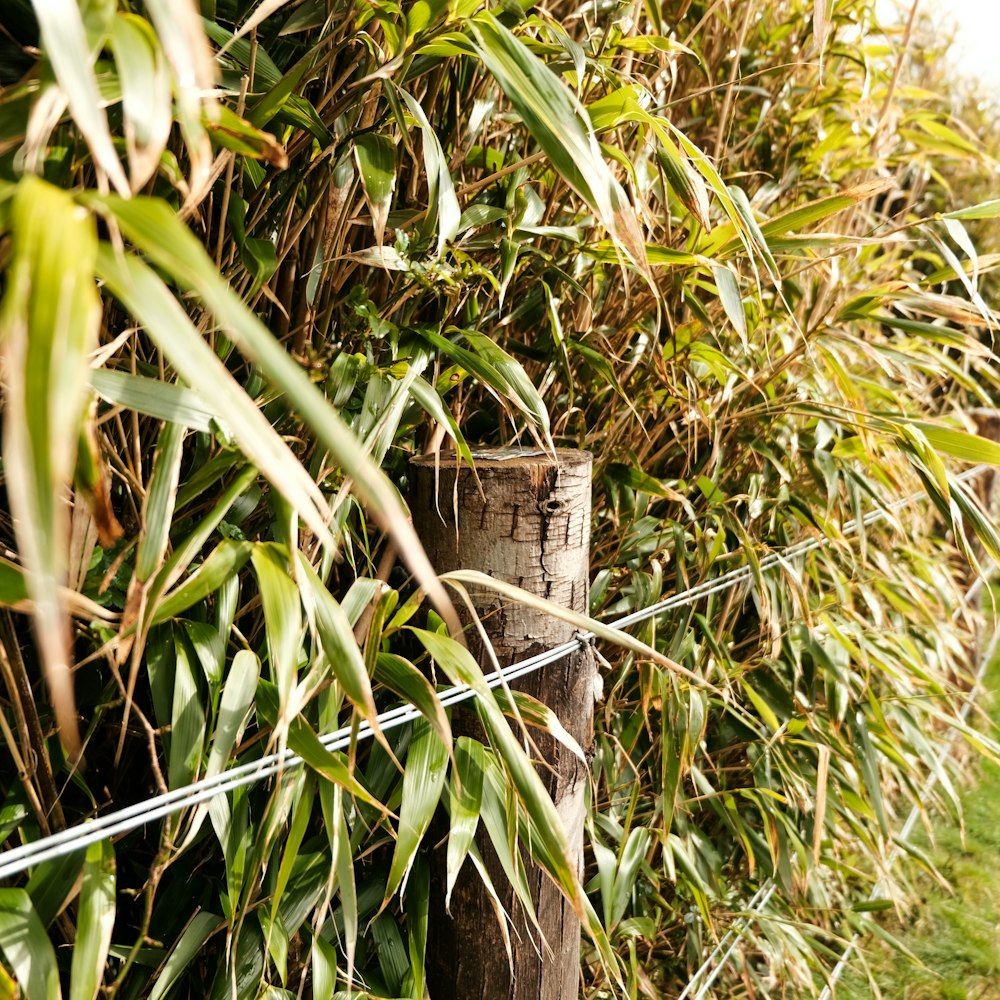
x: 984, y: 210
x: 960, y: 444
x: 457, y: 662
x: 443, y: 209
x: 796, y: 219
x: 224, y: 561
x: 187, y: 550
x: 232, y: 132
x: 237, y: 698
x: 332, y: 803
x: 187, y: 719
x: 301, y: 815
x: 559, y: 124
x: 687, y: 183
x: 158, y: 232
x: 302, y: 739
x: 324, y: 969
x: 430, y: 401
x: 48, y: 321
x: 417, y: 906
x: 282, y: 619
x: 498, y: 370
x: 185, y: 950
x: 95, y: 922
x: 466, y: 798
x: 179, y: 32
x: 582, y: 622
x: 27, y: 947
x: 168, y: 401
x: 402, y: 677
x: 340, y: 648
x: 376, y: 159
x: 632, y: 856
x: 423, y: 782
x: 393, y: 960
x: 729, y: 295
x: 145, y: 94
x: 65, y: 42
x: 150, y: 301
x: 158, y: 507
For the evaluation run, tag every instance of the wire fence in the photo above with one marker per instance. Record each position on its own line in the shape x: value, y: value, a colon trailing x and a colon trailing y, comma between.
x: 714, y: 965
x: 17, y: 860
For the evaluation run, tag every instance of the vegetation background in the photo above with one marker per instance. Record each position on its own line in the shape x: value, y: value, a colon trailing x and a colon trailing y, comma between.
x: 255, y: 255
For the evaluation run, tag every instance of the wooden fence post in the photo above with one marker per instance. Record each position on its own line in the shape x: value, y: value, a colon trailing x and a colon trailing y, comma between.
x: 529, y: 526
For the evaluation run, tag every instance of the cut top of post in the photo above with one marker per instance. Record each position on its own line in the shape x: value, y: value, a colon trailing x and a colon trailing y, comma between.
x: 507, y: 458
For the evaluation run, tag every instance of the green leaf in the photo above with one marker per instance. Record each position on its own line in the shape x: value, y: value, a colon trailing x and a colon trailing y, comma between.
x: 532, y: 712
x: 146, y: 97
x: 237, y: 698
x: 496, y: 369
x: 763, y: 709
x: 158, y: 506
x: 402, y: 677
x: 187, y: 550
x: 156, y: 229
x: 729, y: 295
x: 443, y: 208
x: 867, y: 758
x: 604, y: 250
x: 148, y: 299
x: 466, y: 798
x: 417, y: 906
x: 49, y: 323
x: 292, y: 842
x: 984, y: 210
x: 181, y: 36
x: 95, y: 921
x: 457, y: 662
x: 64, y: 40
x: 428, y: 398
x: 559, y: 123
x: 282, y: 606
x: 960, y: 444
x: 393, y: 960
x: 376, y: 159
x: 53, y: 884
x: 423, y: 782
x: 224, y: 561
x: 632, y: 856
x: 687, y: 183
x: 168, y: 401
x: 754, y: 233
x: 796, y: 219
x: 185, y: 950
x: 582, y: 622
x: 324, y: 969
x: 508, y: 373
x: 330, y: 765
x: 332, y: 803
x: 232, y: 132
x: 187, y: 719
x: 27, y: 948
x: 340, y: 648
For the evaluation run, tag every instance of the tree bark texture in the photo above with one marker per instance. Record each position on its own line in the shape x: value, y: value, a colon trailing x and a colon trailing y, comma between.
x: 529, y: 525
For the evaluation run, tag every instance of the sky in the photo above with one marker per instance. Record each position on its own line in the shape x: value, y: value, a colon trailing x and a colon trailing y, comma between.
x: 976, y: 51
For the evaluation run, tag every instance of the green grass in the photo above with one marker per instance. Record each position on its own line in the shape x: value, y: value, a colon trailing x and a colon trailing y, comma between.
x: 956, y: 934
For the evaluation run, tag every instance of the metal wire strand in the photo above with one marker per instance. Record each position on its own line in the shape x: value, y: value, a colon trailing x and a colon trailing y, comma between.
x: 17, y: 860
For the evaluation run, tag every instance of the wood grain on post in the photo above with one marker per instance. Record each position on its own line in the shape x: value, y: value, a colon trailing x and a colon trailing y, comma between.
x: 530, y: 526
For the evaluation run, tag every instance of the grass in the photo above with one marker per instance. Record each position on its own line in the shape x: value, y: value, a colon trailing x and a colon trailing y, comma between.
x: 955, y: 934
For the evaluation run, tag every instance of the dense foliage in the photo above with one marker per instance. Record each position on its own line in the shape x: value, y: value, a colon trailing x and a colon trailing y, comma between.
x: 253, y: 260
